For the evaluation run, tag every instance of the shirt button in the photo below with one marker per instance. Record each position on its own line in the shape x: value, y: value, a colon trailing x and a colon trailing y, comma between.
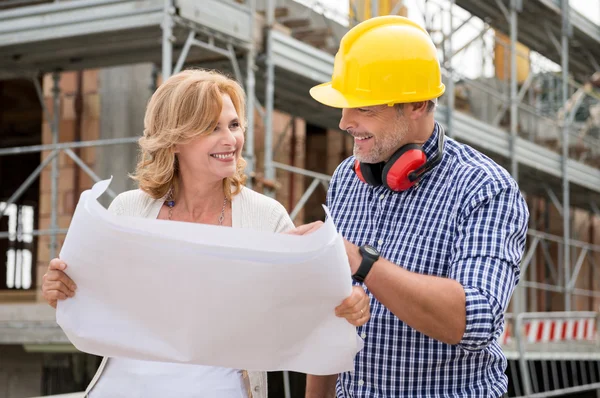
x: 363, y: 335
x: 380, y: 242
x: 361, y: 383
x: 382, y: 196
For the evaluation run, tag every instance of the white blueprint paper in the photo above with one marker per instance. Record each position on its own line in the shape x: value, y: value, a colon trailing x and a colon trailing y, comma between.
x: 191, y: 293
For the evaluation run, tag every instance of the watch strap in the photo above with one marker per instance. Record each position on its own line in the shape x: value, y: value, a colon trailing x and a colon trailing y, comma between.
x: 365, y: 266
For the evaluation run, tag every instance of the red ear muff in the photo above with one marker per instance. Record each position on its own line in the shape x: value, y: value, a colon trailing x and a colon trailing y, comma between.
x: 368, y: 173
x: 358, y: 171
x: 395, y: 175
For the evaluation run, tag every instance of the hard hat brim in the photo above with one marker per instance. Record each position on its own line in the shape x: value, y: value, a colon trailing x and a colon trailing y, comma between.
x: 327, y: 95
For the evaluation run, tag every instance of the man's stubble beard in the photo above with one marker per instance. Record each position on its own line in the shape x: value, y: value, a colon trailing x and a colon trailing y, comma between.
x: 385, y: 144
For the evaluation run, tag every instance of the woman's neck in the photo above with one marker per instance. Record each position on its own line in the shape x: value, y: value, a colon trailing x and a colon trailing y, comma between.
x: 197, y: 200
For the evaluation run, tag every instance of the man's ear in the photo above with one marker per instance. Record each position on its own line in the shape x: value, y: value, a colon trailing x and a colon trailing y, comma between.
x: 417, y: 109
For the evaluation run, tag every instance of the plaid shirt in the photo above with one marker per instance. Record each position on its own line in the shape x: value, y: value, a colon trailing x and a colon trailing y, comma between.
x: 466, y: 220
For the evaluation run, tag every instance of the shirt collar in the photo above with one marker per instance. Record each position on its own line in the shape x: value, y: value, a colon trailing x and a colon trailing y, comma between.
x: 430, y: 147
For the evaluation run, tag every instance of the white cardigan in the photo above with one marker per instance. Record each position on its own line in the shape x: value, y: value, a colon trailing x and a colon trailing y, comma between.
x: 249, y: 210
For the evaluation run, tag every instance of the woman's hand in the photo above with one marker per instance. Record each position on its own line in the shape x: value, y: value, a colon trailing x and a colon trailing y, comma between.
x: 356, y: 308
x: 56, y: 284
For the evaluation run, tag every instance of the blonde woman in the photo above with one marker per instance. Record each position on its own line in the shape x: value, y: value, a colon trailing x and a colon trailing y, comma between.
x: 191, y: 170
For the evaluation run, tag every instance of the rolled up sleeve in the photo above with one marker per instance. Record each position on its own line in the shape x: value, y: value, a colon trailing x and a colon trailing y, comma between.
x: 486, y: 256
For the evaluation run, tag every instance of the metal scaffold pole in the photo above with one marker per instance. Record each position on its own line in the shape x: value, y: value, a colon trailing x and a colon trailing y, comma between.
x: 269, y: 105
x: 451, y: 98
x: 565, y: 153
x: 269, y: 98
x: 167, y: 44
x: 374, y: 9
x: 250, y: 93
x: 54, y: 172
x: 514, y: 105
x: 519, y: 296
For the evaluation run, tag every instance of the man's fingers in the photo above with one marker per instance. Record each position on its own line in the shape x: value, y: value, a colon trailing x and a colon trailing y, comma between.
x: 358, y: 318
x: 362, y: 319
x: 303, y: 230
x: 356, y: 308
x: 349, y: 305
x: 351, y: 302
x: 352, y: 311
x: 306, y: 228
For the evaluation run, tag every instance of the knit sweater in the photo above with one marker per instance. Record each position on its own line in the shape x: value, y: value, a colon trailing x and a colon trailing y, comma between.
x: 249, y: 210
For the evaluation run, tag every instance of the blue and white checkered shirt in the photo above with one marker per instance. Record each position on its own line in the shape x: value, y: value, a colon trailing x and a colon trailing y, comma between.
x: 466, y: 220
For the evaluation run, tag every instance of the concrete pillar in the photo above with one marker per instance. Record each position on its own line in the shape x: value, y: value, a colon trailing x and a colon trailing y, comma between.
x: 124, y: 93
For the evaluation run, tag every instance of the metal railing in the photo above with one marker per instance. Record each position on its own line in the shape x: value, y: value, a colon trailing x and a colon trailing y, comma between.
x: 547, y: 249
x: 317, y: 179
x: 51, y: 159
x: 539, y: 121
x: 558, y: 353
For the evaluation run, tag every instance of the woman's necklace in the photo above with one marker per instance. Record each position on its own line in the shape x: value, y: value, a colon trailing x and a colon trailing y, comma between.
x: 170, y: 202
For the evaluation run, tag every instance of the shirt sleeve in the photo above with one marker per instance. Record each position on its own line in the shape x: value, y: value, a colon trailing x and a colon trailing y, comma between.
x: 332, y: 187
x: 485, y: 259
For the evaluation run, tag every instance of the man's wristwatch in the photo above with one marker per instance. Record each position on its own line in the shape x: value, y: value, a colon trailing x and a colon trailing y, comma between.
x: 369, y: 256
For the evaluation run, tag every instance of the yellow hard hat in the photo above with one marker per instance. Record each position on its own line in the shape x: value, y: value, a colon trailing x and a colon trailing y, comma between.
x: 383, y: 60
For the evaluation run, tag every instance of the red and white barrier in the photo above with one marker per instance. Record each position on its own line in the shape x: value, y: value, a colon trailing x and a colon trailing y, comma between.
x: 506, y: 336
x: 552, y: 331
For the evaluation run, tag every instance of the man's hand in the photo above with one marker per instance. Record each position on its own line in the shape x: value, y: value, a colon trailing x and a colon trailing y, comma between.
x: 306, y: 228
x: 356, y: 308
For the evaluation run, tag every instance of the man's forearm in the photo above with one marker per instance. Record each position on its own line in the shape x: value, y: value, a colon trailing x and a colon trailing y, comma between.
x: 432, y: 305
x: 320, y: 386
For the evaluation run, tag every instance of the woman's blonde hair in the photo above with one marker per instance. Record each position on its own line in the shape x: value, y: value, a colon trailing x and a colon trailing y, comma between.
x: 185, y: 106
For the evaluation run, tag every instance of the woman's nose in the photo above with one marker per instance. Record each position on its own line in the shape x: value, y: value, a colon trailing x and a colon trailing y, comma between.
x: 229, y: 137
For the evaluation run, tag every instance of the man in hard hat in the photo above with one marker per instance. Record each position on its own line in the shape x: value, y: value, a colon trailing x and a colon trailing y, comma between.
x: 435, y: 230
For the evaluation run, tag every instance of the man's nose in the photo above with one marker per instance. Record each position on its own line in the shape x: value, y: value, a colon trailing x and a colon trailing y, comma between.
x: 346, y: 122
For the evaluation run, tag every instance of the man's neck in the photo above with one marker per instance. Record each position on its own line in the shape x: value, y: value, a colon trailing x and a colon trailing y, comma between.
x: 423, y: 131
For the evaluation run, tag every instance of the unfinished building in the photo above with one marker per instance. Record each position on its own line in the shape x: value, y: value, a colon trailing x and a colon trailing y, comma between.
x: 75, y: 77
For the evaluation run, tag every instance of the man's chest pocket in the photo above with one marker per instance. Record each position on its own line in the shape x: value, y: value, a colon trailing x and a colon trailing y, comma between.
x: 424, y: 254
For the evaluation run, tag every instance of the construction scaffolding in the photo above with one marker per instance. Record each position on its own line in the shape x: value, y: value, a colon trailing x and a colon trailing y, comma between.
x: 550, y: 143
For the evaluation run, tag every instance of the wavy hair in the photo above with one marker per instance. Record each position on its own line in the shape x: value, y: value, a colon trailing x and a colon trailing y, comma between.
x: 185, y: 106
